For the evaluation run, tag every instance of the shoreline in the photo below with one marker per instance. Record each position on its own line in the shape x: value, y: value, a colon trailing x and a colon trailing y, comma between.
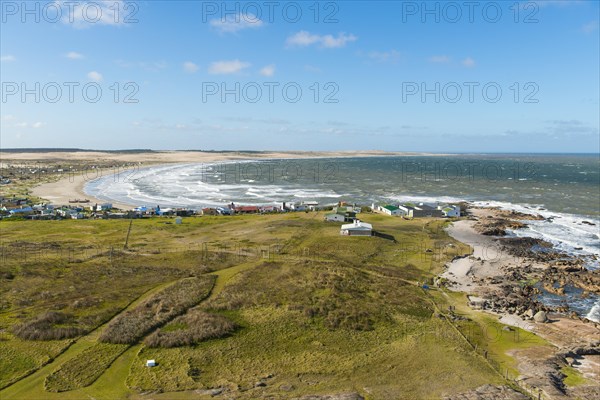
x: 68, y: 188
x: 71, y: 188
x: 484, y: 276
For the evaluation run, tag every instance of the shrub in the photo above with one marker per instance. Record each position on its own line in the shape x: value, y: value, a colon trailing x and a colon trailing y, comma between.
x: 49, y: 326
x: 170, y: 302
x: 191, y: 328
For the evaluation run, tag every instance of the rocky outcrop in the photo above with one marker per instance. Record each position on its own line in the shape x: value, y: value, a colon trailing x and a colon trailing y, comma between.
x: 489, y: 392
x: 571, y: 273
x: 340, y: 396
x: 497, y: 226
x: 540, y: 317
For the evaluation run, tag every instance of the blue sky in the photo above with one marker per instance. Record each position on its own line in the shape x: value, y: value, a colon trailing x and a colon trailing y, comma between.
x: 371, y: 62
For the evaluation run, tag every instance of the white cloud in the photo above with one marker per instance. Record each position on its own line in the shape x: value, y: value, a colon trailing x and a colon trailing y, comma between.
x: 95, y: 76
x: 86, y: 14
x: 305, y: 38
x: 227, y: 67
x: 269, y: 70
x: 590, y: 27
x: 73, y: 55
x: 468, y: 62
x: 236, y: 23
x: 384, y: 56
x: 190, y: 67
x: 439, y: 59
x: 10, y: 121
x: 8, y: 58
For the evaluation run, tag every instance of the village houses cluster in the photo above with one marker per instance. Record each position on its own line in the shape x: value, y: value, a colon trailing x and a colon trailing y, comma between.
x: 342, y: 212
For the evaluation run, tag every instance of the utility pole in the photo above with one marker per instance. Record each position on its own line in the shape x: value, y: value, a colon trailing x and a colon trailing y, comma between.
x: 128, y: 232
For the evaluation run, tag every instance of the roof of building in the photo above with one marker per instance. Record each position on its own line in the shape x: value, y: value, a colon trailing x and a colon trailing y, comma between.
x: 391, y: 208
x: 246, y: 208
x: 357, y: 225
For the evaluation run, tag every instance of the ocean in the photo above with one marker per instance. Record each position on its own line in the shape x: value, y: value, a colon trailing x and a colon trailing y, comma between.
x: 564, y: 187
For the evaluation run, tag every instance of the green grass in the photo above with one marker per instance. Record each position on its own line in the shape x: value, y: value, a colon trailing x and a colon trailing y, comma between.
x: 573, y: 377
x: 489, y: 335
x: 318, y: 311
x: 83, y: 369
x: 21, y: 357
x: 391, y: 361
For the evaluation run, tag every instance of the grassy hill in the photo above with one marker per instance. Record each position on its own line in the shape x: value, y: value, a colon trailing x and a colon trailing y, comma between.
x: 293, y: 308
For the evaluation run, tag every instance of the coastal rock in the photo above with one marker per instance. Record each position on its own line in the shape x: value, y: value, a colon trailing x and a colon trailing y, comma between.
x: 210, y: 392
x: 340, y: 396
x: 489, y: 392
x: 540, y: 317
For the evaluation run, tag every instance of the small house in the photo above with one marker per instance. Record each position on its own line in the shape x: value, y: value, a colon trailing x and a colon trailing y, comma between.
x: 335, y: 217
x: 357, y: 228
x: 421, y: 210
x: 150, y: 363
x: 450, y: 211
x: 104, y: 207
x: 390, y: 210
x: 311, y: 205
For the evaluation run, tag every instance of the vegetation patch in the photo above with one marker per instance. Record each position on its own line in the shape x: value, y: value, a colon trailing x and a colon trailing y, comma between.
x: 130, y: 326
x: 21, y: 357
x: 572, y: 377
x: 191, y: 328
x: 49, y: 326
x: 333, y: 295
x: 83, y: 369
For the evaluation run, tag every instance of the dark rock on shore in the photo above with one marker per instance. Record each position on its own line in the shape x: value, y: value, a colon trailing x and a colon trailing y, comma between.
x: 497, y: 226
x: 489, y: 392
x: 340, y: 396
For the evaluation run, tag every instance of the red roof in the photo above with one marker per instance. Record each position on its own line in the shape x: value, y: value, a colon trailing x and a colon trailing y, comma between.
x: 246, y: 208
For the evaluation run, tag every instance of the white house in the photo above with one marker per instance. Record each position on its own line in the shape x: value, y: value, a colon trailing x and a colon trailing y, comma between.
x: 450, y: 210
x: 298, y: 207
x: 358, y: 228
x: 390, y: 210
x: 335, y: 217
x: 311, y: 205
x: 150, y: 363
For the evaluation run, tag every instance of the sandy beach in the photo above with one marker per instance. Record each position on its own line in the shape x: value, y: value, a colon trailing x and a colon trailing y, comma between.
x: 71, y: 188
x: 167, y: 157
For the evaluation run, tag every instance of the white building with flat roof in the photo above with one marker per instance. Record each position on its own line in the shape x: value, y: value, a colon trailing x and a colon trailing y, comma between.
x: 357, y: 228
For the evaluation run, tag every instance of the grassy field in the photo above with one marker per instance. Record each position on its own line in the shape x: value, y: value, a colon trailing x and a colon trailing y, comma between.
x: 295, y: 309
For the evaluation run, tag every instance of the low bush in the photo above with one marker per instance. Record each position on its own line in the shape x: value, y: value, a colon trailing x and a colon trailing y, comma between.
x: 49, y: 326
x: 191, y: 328
x: 174, y: 300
